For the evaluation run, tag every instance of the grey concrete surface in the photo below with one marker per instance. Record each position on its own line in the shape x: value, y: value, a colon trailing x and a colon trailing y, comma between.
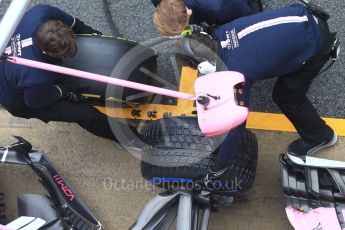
x: 90, y: 167
x: 109, y: 181
x: 85, y: 160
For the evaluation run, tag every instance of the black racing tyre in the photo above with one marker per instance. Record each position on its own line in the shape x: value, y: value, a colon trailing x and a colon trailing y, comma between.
x: 177, y: 149
x: 2, y: 209
x: 100, y: 55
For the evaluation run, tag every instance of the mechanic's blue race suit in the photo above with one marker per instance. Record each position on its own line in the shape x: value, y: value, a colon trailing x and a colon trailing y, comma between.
x: 216, y: 12
x: 31, y: 93
x: 289, y: 43
x: 23, y: 87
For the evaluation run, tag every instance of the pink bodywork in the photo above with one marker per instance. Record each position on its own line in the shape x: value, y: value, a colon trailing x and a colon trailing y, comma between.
x: 316, y: 219
x: 5, y: 228
x: 224, y: 114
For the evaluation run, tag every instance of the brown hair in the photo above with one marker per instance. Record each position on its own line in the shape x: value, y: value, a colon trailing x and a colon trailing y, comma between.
x: 56, y: 39
x: 171, y: 17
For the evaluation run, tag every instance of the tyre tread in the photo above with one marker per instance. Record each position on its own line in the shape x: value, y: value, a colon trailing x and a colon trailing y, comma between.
x: 2, y: 209
x: 184, y: 152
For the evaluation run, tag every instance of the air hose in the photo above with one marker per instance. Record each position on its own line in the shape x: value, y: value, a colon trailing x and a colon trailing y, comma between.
x: 109, y: 18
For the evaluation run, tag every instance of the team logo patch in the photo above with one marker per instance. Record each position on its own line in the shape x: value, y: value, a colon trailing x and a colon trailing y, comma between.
x: 16, y: 46
x: 232, y: 41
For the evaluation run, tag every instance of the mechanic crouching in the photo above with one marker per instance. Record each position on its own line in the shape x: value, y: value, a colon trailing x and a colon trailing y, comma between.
x: 289, y: 43
x: 47, y: 34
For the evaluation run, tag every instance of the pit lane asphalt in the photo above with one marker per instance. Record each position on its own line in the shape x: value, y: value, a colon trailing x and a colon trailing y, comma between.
x: 88, y: 166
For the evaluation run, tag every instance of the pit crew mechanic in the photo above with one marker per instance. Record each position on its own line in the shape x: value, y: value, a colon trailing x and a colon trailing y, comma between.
x: 171, y: 17
x: 289, y: 43
x: 46, y: 34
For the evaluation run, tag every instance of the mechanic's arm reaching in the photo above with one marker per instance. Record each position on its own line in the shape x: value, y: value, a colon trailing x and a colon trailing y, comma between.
x: 40, y: 96
x: 41, y: 90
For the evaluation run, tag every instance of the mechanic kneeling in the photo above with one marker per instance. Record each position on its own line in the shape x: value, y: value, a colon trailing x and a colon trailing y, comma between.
x: 46, y: 34
x: 290, y: 43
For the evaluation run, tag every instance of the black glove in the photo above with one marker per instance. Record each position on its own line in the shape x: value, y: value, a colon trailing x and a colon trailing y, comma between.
x: 3, y: 56
x: 196, y: 28
x: 209, y: 29
x: 80, y: 28
x: 72, y: 92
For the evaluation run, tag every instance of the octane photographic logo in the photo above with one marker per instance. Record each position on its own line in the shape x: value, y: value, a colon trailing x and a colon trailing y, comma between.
x: 156, y: 62
x: 116, y: 184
